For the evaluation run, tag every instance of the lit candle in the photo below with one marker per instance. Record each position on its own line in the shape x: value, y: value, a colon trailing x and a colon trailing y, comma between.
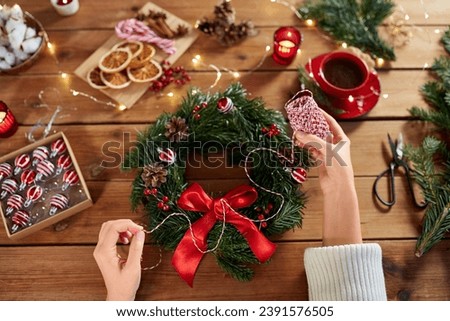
x: 8, y: 124
x: 66, y: 7
x: 286, y: 41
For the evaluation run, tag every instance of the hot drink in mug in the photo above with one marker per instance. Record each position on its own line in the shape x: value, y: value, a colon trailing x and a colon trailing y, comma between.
x: 342, y: 74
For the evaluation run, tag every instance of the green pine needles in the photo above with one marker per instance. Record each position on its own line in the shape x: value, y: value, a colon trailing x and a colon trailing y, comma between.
x: 432, y: 159
x: 353, y: 22
x: 202, y: 128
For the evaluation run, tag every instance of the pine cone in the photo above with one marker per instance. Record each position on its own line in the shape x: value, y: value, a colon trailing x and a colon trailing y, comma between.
x: 176, y: 129
x: 154, y: 175
x: 225, y: 12
x: 206, y: 26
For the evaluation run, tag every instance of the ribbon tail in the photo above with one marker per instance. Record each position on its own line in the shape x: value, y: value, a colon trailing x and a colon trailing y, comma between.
x: 260, y: 245
x: 186, y: 259
x: 187, y: 255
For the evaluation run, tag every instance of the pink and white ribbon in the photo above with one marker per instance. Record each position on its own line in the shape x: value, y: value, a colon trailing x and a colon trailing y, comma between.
x: 133, y: 29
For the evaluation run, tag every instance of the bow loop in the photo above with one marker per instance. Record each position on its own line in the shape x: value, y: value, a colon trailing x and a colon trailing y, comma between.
x: 195, y: 199
x: 241, y: 196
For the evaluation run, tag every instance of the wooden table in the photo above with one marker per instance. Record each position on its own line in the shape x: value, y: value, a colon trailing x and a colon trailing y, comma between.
x: 55, y: 264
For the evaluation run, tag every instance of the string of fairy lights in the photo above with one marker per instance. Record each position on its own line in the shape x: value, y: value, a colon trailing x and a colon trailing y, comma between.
x: 199, y: 61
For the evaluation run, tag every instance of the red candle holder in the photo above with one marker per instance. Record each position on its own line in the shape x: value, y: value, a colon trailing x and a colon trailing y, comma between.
x: 286, y: 41
x: 8, y: 124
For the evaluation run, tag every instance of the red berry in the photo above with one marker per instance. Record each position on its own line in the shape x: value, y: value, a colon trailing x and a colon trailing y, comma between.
x: 168, y: 72
x: 197, y: 108
x: 161, y: 205
x: 154, y: 191
x: 177, y: 81
x: 171, y: 79
x: 269, y: 206
x: 166, y: 207
x: 147, y: 192
x: 177, y: 69
x: 260, y: 217
x: 187, y: 77
x: 197, y: 116
x: 267, y: 211
x: 165, y: 199
x: 264, y: 130
x: 204, y: 104
x: 264, y: 224
x: 258, y: 209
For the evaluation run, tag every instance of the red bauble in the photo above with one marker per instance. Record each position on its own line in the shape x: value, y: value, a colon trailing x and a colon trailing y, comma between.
x: 225, y: 105
x: 167, y: 156
x: 299, y: 175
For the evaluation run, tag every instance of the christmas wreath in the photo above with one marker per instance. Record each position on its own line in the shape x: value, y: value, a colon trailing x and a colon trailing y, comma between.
x: 233, y: 227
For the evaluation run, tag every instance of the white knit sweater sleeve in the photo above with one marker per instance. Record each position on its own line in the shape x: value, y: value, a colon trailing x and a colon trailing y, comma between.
x: 345, y: 272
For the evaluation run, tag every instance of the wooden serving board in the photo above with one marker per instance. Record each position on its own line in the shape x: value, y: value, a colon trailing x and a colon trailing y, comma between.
x: 130, y: 95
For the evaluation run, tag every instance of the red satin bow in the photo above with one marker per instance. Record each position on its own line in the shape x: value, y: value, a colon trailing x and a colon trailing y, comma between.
x: 187, y: 257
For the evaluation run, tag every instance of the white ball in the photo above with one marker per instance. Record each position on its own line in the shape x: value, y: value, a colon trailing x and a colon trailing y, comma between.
x: 10, y: 58
x: 30, y: 33
x: 4, y: 65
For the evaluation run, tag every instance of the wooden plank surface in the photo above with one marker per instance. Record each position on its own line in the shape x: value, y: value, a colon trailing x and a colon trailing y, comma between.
x: 397, y: 86
x: 422, y: 49
x: 100, y: 148
x: 93, y: 15
x: 69, y: 273
x: 111, y: 202
x: 57, y: 264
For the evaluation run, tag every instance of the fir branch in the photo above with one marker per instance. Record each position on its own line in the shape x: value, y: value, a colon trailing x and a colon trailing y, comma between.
x: 446, y: 40
x: 353, y: 22
x: 437, y: 94
x: 432, y: 159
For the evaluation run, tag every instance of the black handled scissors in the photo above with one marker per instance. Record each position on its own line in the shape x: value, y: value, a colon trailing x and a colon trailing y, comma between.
x: 397, y: 161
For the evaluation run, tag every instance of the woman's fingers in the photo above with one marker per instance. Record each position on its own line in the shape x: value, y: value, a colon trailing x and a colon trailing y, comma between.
x: 111, y: 231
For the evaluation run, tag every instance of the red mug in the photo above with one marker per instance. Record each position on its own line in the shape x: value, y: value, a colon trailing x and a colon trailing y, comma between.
x: 342, y: 74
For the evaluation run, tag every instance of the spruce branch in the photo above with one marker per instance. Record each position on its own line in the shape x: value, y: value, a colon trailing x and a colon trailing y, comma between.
x: 353, y: 22
x: 431, y: 160
x: 446, y: 40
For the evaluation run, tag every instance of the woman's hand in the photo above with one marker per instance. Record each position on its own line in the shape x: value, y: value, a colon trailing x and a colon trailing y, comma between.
x: 122, y: 277
x: 341, y: 222
x: 332, y: 156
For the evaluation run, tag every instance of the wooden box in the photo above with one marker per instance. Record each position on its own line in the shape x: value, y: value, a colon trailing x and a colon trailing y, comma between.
x: 78, y: 194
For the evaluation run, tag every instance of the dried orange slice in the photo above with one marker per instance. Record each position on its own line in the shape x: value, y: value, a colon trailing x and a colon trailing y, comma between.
x: 135, y: 47
x: 94, y: 79
x: 150, y: 71
x: 146, y: 54
x: 115, y: 80
x: 115, y: 60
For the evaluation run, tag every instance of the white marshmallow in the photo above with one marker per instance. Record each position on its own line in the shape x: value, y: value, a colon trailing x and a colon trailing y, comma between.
x: 3, y: 52
x: 17, y: 36
x: 21, y: 55
x: 5, y: 12
x: 31, y: 45
x: 10, y: 58
x: 30, y: 33
x: 4, y: 65
x: 16, y: 12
